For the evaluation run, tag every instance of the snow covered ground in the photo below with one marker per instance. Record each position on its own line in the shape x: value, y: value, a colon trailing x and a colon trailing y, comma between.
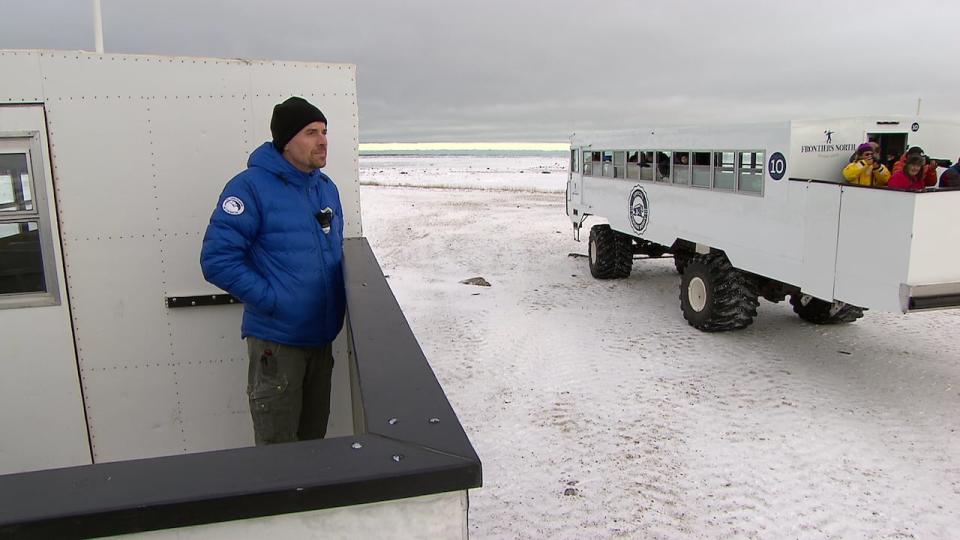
x: 599, y: 413
x: 530, y: 173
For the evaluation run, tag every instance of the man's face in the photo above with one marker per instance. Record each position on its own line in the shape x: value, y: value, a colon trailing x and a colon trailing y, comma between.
x: 307, y: 150
x: 867, y: 155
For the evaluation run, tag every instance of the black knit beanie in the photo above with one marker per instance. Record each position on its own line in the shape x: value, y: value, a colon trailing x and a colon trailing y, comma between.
x: 290, y: 117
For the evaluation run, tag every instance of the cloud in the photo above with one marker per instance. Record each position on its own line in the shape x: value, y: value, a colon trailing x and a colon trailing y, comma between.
x: 501, y: 70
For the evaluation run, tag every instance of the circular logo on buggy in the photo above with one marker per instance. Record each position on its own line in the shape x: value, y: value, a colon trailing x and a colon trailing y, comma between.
x: 639, y: 209
x: 232, y: 206
x: 915, y: 127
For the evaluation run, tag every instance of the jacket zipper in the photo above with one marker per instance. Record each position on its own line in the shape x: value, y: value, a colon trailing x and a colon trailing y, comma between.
x: 318, y: 241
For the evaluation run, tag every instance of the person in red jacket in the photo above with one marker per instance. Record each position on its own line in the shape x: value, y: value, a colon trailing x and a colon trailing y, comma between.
x: 909, y: 177
x: 928, y: 169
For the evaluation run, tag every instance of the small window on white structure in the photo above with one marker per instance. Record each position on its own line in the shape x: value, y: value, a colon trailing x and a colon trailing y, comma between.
x: 619, y: 164
x: 588, y: 161
x: 701, y: 169
x: 663, y: 166
x: 724, y: 171
x: 15, y: 192
x: 646, y: 165
x: 21, y: 253
x: 681, y: 167
x: 633, y: 167
x: 608, y: 163
x: 750, y: 178
x: 27, y: 272
x: 574, y: 160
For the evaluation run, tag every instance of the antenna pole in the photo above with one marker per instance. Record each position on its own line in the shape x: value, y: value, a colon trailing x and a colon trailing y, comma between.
x: 97, y: 26
x: 918, y: 106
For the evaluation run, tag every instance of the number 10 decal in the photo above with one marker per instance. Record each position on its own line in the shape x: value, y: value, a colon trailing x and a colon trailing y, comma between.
x: 777, y: 166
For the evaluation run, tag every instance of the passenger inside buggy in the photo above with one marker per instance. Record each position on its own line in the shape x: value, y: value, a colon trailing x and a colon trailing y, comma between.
x: 928, y: 170
x: 663, y: 166
x: 951, y: 177
x: 866, y: 169
x: 909, y: 177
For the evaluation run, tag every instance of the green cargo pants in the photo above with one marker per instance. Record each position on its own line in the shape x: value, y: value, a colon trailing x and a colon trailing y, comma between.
x: 289, y: 391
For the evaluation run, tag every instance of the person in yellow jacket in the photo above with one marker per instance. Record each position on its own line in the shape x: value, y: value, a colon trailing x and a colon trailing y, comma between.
x: 866, y: 169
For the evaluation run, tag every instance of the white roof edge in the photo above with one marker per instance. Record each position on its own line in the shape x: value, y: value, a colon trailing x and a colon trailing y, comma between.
x: 51, y: 52
x: 649, y: 130
x: 646, y: 130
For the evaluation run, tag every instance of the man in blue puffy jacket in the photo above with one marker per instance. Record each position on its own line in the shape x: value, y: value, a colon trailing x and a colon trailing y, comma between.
x: 275, y: 241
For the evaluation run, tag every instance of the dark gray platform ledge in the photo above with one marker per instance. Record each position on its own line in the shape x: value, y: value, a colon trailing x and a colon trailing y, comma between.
x: 400, y: 411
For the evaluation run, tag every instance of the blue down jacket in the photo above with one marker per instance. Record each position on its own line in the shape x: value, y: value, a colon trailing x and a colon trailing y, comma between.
x: 265, y: 245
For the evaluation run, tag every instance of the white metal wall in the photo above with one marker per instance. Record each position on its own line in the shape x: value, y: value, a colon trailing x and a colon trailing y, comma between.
x: 824, y: 165
x: 935, y: 249
x: 141, y: 148
x: 894, y: 238
x: 873, y: 250
x: 819, y: 207
x: 939, y: 139
x: 41, y: 411
x: 430, y: 517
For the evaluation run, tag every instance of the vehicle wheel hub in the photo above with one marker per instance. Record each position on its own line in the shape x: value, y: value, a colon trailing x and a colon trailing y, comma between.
x: 697, y: 294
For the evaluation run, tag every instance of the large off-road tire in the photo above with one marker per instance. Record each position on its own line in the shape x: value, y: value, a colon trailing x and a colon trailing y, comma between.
x: 715, y: 296
x: 611, y: 253
x: 818, y: 311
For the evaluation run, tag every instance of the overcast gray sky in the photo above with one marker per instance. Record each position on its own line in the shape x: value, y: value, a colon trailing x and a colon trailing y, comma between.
x: 499, y: 70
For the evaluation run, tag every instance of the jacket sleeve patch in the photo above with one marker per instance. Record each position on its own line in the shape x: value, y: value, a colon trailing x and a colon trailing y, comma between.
x: 233, y: 206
